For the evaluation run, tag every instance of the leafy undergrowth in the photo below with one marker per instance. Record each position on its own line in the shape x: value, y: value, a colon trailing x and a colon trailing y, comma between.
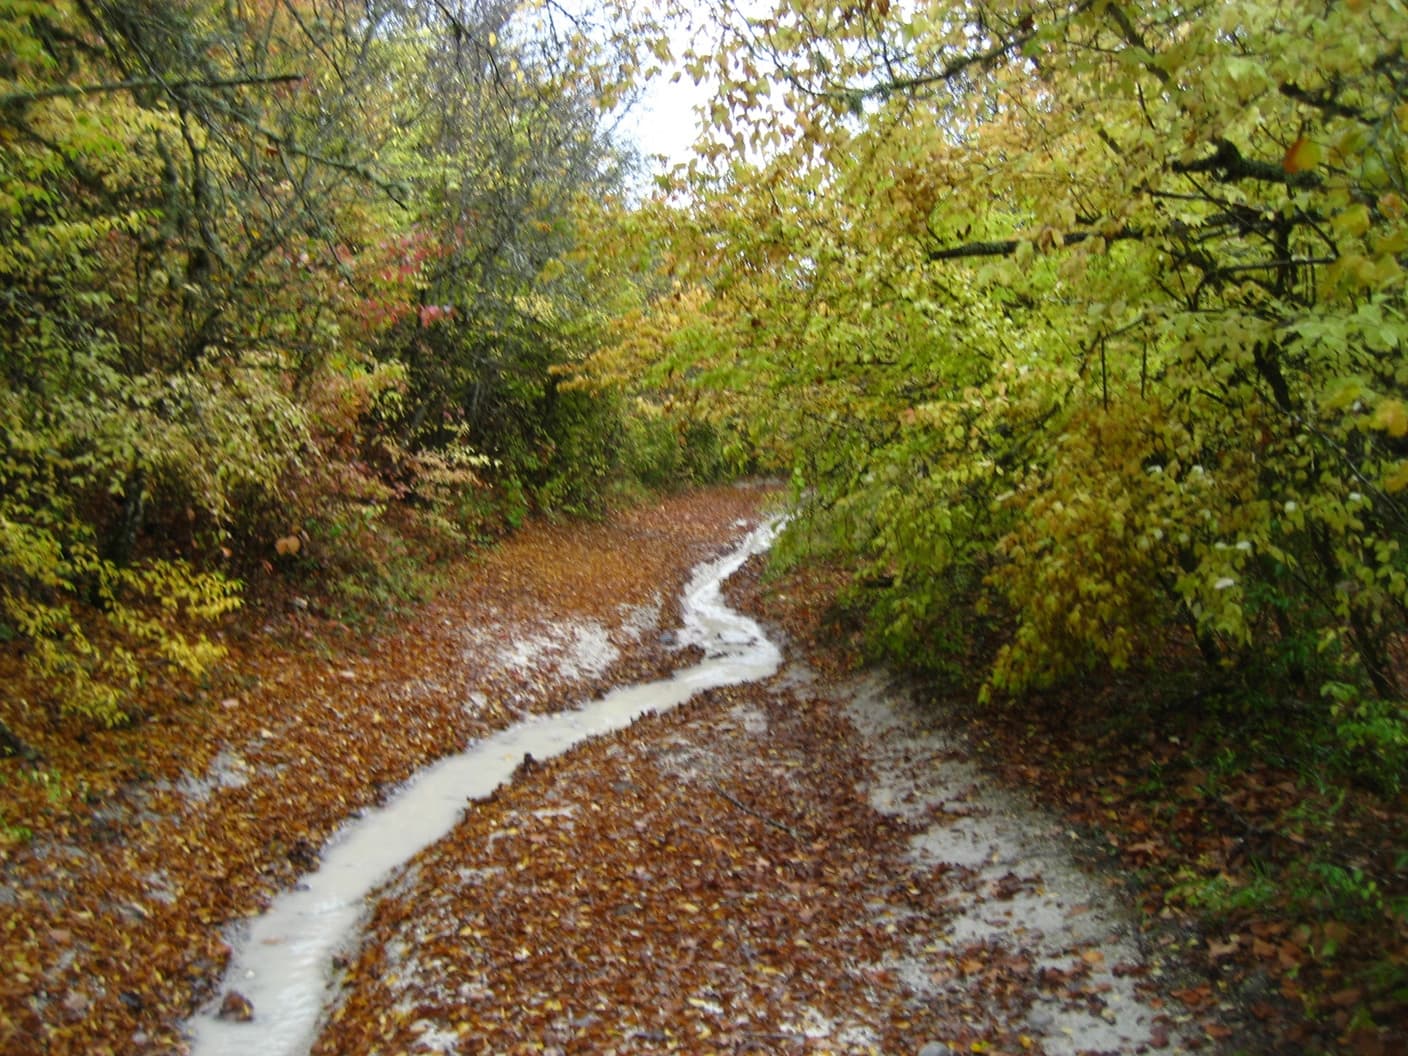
x: 1296, y: 880
x: 1284, y: 884
x: 125, y: 852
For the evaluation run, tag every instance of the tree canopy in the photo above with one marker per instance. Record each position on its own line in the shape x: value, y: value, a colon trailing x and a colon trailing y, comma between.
x: 1090, y: 314
x: 266, y: 267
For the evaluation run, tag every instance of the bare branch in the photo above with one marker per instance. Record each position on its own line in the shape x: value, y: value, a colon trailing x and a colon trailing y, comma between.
x: 1324, y: 101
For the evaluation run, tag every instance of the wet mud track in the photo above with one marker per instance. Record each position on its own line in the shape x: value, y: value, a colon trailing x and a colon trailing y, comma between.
x: 799, y: 865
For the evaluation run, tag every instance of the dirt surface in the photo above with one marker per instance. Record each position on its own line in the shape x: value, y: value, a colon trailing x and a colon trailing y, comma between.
x: 810, y: 864
x: 149, y: 842
x: 803, y: 865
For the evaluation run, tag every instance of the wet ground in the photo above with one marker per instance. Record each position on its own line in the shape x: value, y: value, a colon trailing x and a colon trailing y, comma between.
x: 803, y: 864
x: 277, y: 981
x: 800, y: 864
x: 152, y: 844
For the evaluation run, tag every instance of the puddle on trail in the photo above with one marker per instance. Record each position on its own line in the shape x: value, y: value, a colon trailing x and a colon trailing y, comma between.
x: 1023, y: 890
x: 283, y: 964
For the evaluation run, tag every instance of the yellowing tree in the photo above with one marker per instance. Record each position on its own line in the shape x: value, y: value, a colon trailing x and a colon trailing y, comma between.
x: 1089, y: 314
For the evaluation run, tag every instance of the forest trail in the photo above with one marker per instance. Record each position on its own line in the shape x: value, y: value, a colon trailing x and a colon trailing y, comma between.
x: 150, y: 843
x: 801, y: 864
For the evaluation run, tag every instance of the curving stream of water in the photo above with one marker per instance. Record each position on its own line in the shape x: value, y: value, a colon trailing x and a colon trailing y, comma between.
x: 282, y: 965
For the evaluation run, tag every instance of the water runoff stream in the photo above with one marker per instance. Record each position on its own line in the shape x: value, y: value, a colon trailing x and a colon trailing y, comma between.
x: 282, y: 964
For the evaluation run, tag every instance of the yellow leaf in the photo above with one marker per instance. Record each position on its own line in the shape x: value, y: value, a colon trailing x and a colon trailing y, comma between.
x: 1392, y: 417
x: 1302, y: 156
x: 1398, y: 479
x: 1354, y: 220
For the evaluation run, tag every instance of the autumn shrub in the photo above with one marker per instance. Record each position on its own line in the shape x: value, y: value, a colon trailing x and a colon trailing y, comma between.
x: 266, y: 276
x: 450, y: 484
x: 366, y: 563
x: 582, y: 452
x: 92, y: 630
x: 145, y: 396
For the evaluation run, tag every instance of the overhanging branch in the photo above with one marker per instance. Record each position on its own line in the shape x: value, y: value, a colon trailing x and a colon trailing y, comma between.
x: 1006, y: 247
x: 19, y: 100
x: 1228, y: 165
x: 1242, y: 221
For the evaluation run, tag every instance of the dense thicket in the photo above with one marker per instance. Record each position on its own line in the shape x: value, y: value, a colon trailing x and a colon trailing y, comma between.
x: 1081, y: 323
x: 267, y: 267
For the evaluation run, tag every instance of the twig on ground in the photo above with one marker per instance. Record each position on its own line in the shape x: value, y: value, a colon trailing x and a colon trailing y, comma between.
x: 760, y: 816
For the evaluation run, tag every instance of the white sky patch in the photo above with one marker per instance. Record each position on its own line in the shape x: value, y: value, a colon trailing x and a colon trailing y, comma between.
x: 668, y: 120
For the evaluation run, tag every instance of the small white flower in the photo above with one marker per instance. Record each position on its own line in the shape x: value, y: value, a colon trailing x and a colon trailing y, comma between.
x: 1224, y: 583
x: 1354, y: 496
x: 1244, y: 546
x: 1291, y: 506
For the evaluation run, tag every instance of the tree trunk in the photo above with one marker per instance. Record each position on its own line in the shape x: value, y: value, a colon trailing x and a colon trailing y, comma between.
x: 123, y: 538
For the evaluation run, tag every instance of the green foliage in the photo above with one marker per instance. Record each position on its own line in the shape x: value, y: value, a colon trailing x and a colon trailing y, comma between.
x: 1220, y: 898
x: 266, y: 272
x: 367, y: 566
x: 1370, y: 737
x: 1082, y: 328
x: 1312, y: 890
x: 661, y: 453
x: 11, y: 833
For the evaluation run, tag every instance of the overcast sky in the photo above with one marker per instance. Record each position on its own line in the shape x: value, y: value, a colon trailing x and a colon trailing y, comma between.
x: 665, y: 122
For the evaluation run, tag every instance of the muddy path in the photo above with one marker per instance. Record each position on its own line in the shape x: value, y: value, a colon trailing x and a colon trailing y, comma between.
x: 277, y: 983
x: 802, y: 863
x: 151, y: 845
x: 799, y: 865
